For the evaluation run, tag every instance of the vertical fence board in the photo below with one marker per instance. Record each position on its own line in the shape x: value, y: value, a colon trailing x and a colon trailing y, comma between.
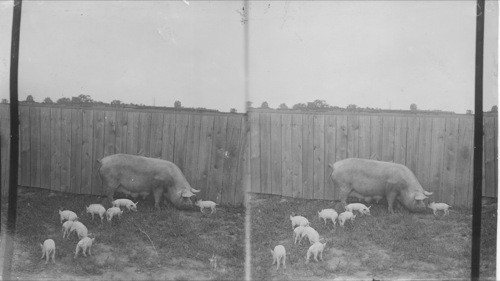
x: 436, y: 156
x: 424, y: 157
x: 76, y: 150
x: 55, y: 152
x: 180, y: 147
x: 412, y: 144
x: 193, y: 146
x: 449, y: 160
x: 388, y: 135
x: 242, y: 180
x: 464, y: 161
x: 341, y: 138
x: 144, y: 131
x: 376, y: 137
x: 167, y: 150
x: 5, y: 148
x: 109, y: 133
x: 265, y: 152
x: 307, y: 156
x: 87, y: 149
x: 296, y: 131
x: 231, y: 158
x: 319, y: 154
x: 98, y: 151
x: 215, y: 178
x: 352, y: 136
x: 286, y: 156
x: 121, y: 131
x: 255, y: 151
x: 24, y: 146
x: 276, y: 154
x: 133, y: 133
x: 489, y: 157
x: 204, y: 161
x: 156, y: 139
x: 364, y: 142
x: 400, y: 124
x: 35, y: 146
x: 45, y: 145
x: 65, y: 149
x: 330, y: 138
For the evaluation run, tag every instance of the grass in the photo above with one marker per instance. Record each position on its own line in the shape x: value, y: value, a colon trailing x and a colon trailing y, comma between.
x: 180, y: 243
x: 401, y: 245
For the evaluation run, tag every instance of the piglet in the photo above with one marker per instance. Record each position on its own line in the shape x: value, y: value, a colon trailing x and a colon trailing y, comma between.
x: 328, y: 214
x: 298, y: 220
x: 361, y: 208
x: 66, y: 228
x: 96, y: 209
x: 84, y: 244
x: 67, y: 215
x: 206, y: 204
x: 279, y: 254
x: 311, y: 234
x: 127, y: 203
x: 347, y: 215
x: 297, y: 233
x: 113, y: 211
x: 80, y: 228
x: 314, y: 250
x: 48, y: 250
x: 439, y: 207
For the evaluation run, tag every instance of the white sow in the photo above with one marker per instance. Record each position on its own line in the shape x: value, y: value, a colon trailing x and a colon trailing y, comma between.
x: 67, y: 215
x: 127, y: 203
x: 330, y: 214
x: 439, y: 207
x: 113, y: 211
x: 48, y: 250
x: 298, y: 220
x: 279, y: 254
x: 96, y: 209
x: 206, y: 205
x: 84, y: 244
x: 314, y: 250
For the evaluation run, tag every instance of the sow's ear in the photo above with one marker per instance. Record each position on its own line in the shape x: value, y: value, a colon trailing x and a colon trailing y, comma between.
x: 420, y: 196
x: 186, y: 193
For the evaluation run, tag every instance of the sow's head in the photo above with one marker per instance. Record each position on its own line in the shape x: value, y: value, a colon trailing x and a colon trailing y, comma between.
x: 183, y: 199
x: 414, y: 201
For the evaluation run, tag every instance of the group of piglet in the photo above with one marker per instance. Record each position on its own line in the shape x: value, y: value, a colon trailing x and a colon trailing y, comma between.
x: 72, y: 224
x: 301, y: 229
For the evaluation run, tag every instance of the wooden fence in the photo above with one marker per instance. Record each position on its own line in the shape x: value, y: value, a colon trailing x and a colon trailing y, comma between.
x: 59, y: 147
x: 290, y: 152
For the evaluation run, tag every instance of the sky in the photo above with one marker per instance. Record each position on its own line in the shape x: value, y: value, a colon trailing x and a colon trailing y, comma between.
x: 381, y: 54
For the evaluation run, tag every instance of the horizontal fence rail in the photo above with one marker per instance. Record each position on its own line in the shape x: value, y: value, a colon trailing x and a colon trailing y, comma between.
x: 60, y: 146
x: 290, y: 152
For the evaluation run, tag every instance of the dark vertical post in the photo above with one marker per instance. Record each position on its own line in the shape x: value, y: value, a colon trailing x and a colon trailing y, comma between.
x: 478, y: 144
x: 14, y: 139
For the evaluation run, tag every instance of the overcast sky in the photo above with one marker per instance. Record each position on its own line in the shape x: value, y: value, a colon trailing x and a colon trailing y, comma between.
x: 385, y: 54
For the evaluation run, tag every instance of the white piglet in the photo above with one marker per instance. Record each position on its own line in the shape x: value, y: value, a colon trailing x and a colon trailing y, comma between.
x: 439, y: 207
x: 80, y: 228
x: 361, y: 208
x: 314, y: 250
x: 48, y: 250
x: 113, y: 211
x: 67, y: 215
x: 298, y: 220
x: 84, y: 244
x: 311, y: 234
x: 328, y: 214
x: 297, y: 233
x: 66, y: 228
x: 206, y: 204
x: 279, y: 254
x: 127, y: 203
x: 96, y: 209
x: 343, y: 217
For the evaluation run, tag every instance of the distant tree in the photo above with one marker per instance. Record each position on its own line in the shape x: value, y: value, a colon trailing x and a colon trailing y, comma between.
x: 249, y: 104
x: 30, y: 99
x: 233, y: 110
x: 82, y: 100
x: 264, y: 105
x: 469, y: 112
x: 413, y: 107
x: 299, y: 106
x: 317, y: 104
x: 177, y: 104
x: 116, y: 103
x: 283, y: 106
x: 351, y: 107
x: 47, y: 100
x: 5, y: 101
x: 494, y: 108
x: 63, y: 100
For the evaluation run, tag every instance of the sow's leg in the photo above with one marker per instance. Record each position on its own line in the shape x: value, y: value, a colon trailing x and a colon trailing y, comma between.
x: 157, y: 192
x: 391, y: 197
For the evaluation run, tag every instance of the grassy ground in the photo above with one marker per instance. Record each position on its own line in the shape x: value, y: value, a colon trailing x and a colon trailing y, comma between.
x: 143, y: 245
x: 382, y: 246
